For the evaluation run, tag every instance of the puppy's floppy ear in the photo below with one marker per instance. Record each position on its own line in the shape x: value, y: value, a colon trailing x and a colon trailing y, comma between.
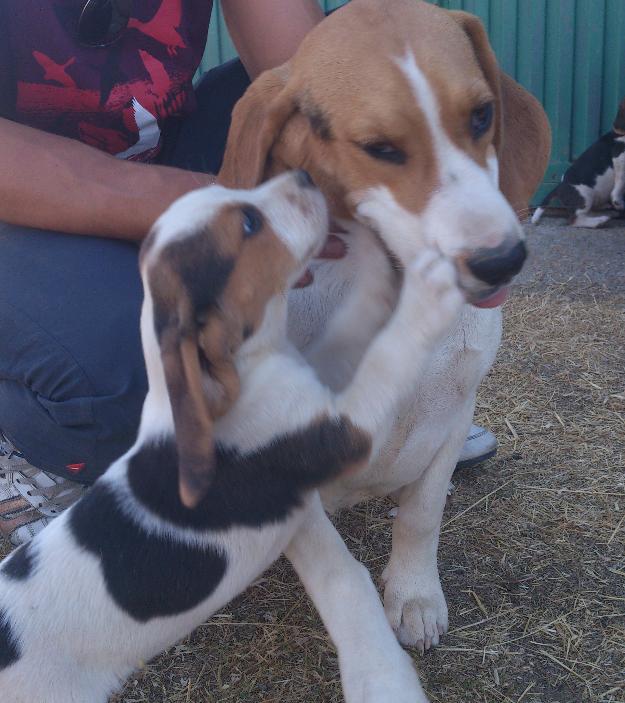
x: 193, y: 422
x: 487, y: 60
x: 257, y: 120
x: 202, y: 382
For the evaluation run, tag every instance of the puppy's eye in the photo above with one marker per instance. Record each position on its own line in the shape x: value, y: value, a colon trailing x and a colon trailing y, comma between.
x: 252, y: 220
x: 481, y: 120
x: 384, y: 151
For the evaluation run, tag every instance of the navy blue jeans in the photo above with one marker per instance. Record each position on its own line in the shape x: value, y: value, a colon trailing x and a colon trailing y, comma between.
x: 72, y: 377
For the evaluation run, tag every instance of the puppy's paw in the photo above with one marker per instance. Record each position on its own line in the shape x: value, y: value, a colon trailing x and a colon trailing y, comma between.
x: 432, y: 292
x: 417, y: 611
x: 589, y: 221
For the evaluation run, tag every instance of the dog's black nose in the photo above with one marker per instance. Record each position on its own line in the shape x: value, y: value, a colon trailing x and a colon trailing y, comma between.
x: 303, y: 179
x: 498, y: 265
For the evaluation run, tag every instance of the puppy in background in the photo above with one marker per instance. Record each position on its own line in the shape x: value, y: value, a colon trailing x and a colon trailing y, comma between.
x: 595, y: 180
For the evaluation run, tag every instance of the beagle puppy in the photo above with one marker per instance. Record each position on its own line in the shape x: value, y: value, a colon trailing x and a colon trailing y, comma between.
x: 399, y: 111
x: 236, y: 435
x: 594, y: 180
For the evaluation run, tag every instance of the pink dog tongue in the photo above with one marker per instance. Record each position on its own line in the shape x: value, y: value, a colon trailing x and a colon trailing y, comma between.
x: 498, y: 298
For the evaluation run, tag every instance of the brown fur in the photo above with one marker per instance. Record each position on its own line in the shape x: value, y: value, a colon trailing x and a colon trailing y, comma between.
x: 342, y: 90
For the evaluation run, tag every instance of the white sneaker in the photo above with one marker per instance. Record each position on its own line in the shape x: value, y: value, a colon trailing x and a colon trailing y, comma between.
x: 29, y: 498
x: 479, y: 445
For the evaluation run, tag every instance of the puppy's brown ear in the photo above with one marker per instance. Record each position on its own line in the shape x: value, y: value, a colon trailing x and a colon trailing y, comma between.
x: 193, y: 422
x: 257, y: 120
x: 199, y: 391
x: 219, y: 339
x: 487, y: 60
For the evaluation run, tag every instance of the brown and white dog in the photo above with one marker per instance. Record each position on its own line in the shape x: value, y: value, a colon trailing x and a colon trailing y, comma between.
x: 236, y: 434
x: 400, y: 113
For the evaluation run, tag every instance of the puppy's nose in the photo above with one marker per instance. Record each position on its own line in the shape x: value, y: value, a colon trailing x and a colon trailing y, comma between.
x: 303, y: 179
x: 498, y: 265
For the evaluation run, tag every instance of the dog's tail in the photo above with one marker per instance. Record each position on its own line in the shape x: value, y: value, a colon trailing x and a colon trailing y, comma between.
x: 538, y: 213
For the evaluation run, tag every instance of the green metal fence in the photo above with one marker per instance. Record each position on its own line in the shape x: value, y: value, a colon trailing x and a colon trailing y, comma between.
x: 569, y: 53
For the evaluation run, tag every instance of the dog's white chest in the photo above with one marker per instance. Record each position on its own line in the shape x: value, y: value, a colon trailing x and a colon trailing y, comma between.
x: 442, y: 399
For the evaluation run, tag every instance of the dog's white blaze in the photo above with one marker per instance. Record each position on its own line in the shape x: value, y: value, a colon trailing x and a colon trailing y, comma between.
x: 466, y: 210
x: 187, y: 216
x: 492, y: 163
x: 426, y: 99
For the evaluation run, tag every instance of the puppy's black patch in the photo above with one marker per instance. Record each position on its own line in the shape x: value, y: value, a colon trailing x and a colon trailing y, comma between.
x: 9, y: 648
x: 20, y: 564
x: 594, y: 162
x: 252, y: 489
x: 147, y: 575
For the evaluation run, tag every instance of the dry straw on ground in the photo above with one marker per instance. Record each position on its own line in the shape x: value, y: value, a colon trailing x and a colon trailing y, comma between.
x: 532, y: 552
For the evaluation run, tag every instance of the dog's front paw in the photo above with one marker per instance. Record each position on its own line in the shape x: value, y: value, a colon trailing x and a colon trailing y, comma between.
x: 390, y: 679
x: 433, y: 296
x: 416, y: 607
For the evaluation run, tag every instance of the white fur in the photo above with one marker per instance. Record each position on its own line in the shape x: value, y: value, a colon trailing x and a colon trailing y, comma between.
x: 77, y: 645
x: 618, y: 189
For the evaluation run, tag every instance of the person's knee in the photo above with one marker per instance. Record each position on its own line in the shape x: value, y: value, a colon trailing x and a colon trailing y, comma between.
x: 60, y: 418
x: 71, y: 364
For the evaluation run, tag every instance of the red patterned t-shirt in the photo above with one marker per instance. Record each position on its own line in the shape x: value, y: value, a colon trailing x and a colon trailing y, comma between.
x: 113, y: 98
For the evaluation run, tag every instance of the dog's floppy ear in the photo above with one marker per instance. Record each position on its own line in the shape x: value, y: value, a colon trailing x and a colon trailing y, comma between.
x: 257, y: 120
x: 522, y: 132
x: 193, y: 422
x: 487, y: 60
x: 196, y: 351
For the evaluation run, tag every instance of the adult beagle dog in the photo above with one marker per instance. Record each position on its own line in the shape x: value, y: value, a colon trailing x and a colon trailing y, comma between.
x: 401, y: 114
x: 236, y: 434
x: 595, y: 180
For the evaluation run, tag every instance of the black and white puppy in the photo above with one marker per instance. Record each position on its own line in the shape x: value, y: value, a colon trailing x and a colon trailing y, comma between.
x: 595, y: 180
x: 236, y: 434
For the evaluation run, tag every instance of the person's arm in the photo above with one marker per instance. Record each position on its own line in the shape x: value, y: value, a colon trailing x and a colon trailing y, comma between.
x: 57, y: 183
x: 266, y: 33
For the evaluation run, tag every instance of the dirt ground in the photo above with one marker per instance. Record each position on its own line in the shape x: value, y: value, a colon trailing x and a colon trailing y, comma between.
x: 532, y: 553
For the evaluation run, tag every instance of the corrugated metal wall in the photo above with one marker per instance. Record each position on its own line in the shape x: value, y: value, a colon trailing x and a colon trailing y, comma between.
x: 569, y: 53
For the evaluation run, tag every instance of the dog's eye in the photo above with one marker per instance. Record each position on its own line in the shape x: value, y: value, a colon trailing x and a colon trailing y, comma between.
x: 383, y: 151
x: 252, y: 220
x: 481, y: 120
